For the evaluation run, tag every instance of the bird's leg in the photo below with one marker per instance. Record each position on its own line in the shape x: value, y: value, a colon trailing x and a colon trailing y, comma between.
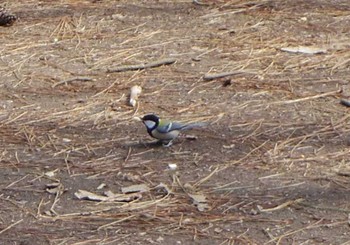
x: 167, y: 144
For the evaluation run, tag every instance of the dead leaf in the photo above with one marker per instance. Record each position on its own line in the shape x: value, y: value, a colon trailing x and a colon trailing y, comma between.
x: 122, y: 197
x: 162, y: 189
x: 134, y: 94
x: 101, y: 186
x: 86, y: 195
x: 108, y: 197
x: 135, y: 188
x: 55, y: 188
x: 305, y: 50
x: 200, y: 201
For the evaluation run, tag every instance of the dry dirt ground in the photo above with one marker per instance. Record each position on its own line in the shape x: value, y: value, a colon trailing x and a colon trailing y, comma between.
x: 272, y: 166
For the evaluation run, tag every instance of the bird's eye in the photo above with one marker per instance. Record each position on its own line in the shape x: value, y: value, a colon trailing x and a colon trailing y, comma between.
x: 149, y: 124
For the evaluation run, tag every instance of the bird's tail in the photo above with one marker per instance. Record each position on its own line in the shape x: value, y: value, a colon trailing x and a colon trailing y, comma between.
x: 194, y: 125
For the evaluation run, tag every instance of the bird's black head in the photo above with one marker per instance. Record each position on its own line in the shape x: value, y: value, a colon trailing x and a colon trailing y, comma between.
x: 151, y: 121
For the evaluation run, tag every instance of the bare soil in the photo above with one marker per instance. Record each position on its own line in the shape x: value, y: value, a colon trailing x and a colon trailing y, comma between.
x: 272, y: 166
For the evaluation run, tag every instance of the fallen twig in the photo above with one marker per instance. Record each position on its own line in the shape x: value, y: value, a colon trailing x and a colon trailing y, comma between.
x: 153, y: 64
x: 213, y: 76
x: 281, y: 206
x: 10, y: 226
x: 307, y: 98
x: 84, y: 79
x: 310, y: 205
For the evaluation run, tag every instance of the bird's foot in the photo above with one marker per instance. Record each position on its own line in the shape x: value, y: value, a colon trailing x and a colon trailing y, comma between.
x: 167, y: 144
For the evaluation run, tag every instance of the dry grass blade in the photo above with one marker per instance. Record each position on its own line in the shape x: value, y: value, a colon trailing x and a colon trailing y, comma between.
x: 10, y: 226
x: 307, y: 98
x: 211, y: 76
x: 84, y: 79
x: 281, y: 206
x: 153, y: 64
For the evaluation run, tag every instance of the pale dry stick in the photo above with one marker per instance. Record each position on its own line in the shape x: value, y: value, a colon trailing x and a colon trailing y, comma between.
x: 21, y: 62
x: 34, y: 45
x: 243, y: 158
x: 142, y: 36
x: 198, y: 2
x: 201, y: 85
x: 198, y: 183
x: 116, y: 240
x: 167, y: 61
x: 17, y: 159
x: 16, y: 118
x: 56, y: 114
x: 306, y: 98
x: 281, y: 206
x: 309, y: 205
x: 339, y: 64
x: 106, y: 89
x: 102, y: 159
x: 10, y: 226
x: 117, y: 222
x: 15, y: 182
x: 87, y: 242
x: 324, y: 158
x: 346, y: 243
x: 243, y: 9
x: 38, y: 212
x: 138, y: 48
x: 128, y: 154
x: 271, y: 176
x: 83, y: 79
x: 116, y: 81
x: 66, y: 161
x: 304, y: 137
x: 224, y: 13
x: 206, y: 52
x: 212, y: 76
x: 297, y: 145
x: 68, y: 216
x: 259, y: 122
x: 279, y: 239
x: 134, y: 27
x: 225, y: 185
x: 102, y: 61
x: 135, y: 206
x: 230, y: 189
x: 52, y: 210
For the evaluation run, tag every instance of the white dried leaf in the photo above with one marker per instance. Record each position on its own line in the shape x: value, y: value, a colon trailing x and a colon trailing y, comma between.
x: 134, y: 94
x: 66, y: 140
x: 305, y: 50
x: 50, y: 173
x: 135, y: 188
x: 101, y: 186
x: 172, y: 166
x: 53, y: 190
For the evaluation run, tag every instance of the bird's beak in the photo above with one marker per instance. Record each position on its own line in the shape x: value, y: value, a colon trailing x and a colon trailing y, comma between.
x: 137, y: 119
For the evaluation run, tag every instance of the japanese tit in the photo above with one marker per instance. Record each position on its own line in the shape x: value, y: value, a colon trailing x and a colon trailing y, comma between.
x: 165, y: 131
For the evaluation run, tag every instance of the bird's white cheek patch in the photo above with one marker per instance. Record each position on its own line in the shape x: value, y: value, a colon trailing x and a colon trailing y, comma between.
x: 149, y: 124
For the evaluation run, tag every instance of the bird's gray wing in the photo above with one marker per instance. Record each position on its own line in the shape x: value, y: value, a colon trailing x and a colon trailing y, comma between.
x: 166, y: 127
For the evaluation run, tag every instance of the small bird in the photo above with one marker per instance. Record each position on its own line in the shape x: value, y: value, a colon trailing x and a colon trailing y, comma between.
x: 166, y: 131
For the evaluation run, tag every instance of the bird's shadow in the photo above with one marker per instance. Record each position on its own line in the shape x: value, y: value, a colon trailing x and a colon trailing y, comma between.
x: 142, y: 145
